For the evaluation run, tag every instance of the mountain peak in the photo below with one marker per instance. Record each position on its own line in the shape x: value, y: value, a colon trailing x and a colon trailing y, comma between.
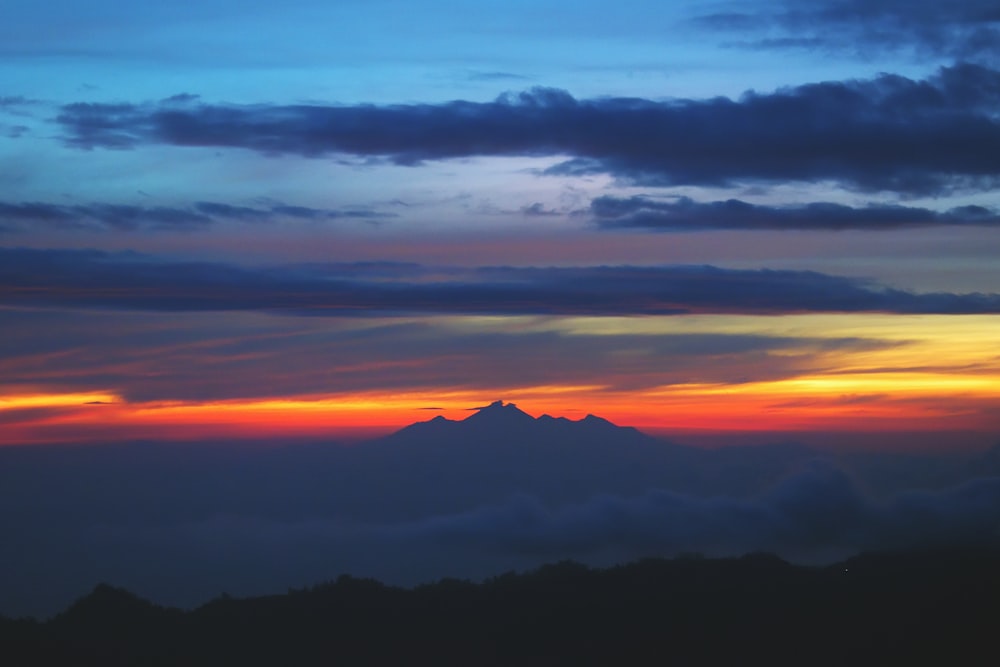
x: 107, y: 605
x: 499, y: 405
x: 500, y: 412
x: 594, y: 419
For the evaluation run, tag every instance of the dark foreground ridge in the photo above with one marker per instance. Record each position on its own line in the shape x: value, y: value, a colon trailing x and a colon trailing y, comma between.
x: 916, y: 607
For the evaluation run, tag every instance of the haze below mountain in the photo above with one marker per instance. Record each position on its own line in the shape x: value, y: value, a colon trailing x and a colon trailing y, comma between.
x: 499, y: 490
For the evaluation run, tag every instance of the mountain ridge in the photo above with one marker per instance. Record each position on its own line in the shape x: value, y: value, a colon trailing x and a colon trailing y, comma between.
x: 890, y: 607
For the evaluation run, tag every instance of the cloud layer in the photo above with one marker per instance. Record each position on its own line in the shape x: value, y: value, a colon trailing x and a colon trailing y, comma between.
x: 816, y: 515
x: 140, y: 282
x: 685, y: 214
x: 817, y: 509
x: 915, y: 137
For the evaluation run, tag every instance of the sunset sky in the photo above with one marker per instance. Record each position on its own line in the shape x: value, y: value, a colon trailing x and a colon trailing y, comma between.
x: 320, y: 219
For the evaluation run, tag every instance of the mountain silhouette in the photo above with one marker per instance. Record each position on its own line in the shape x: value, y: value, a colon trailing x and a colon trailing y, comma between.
x: 499, y: 451
x: 109, y: 609
x: 886, y: 608
x: 444, y: 465
x: 500, y: 415
x: 502, y: 423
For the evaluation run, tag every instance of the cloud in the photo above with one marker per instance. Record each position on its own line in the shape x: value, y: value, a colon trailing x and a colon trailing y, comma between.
x: 14, y: 131
x: 964, y: 29
x: 685, y: 214
x: 140, y: 282
x: 538, y: 210
x: 817, y: 515
x: 181, y: 98
x: 146, y: 356
x: 14, y: 101
x: 124, y: 217
x: 476, y: 75
x: 816, y: 510
x: 17, y: 107
x: 916, y: 137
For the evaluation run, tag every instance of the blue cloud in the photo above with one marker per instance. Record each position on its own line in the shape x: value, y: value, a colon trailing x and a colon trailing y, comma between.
x: 916, y: 137
x: 685, y: 214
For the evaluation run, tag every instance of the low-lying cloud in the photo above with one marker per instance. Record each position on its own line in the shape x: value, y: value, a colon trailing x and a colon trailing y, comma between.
x: 815, y: 516
x: 817, y: 510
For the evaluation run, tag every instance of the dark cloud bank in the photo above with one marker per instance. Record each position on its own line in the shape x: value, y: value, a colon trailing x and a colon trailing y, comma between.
x: 916, y: 137
x: 500, y: 490
x: 685, y: 214
x: 609, y: 212
x: 141, y: 282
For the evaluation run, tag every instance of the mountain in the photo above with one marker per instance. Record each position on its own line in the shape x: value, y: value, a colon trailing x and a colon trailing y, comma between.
x: 443, y: 466
x: 913, y: 607
x: 439, y: 466
x: 110, y: 609
x: 499, y: 415
x: 504, y: 423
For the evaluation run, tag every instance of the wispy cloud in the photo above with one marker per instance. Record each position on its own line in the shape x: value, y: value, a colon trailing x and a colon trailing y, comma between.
x: 477, y: 75
x: 126, y: 217
x: 222, y: 356
x: 965, y: 29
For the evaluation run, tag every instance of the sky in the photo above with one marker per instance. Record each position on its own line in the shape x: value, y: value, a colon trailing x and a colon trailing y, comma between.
x: 328, y: 220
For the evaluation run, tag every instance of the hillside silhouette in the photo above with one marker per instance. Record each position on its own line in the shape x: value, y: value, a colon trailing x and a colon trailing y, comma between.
x: 926, y: 607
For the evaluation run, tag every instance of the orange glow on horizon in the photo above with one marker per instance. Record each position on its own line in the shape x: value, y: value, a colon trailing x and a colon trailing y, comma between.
x: 838, y: 403
x: 28, y: 401
x: 926, y: 373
